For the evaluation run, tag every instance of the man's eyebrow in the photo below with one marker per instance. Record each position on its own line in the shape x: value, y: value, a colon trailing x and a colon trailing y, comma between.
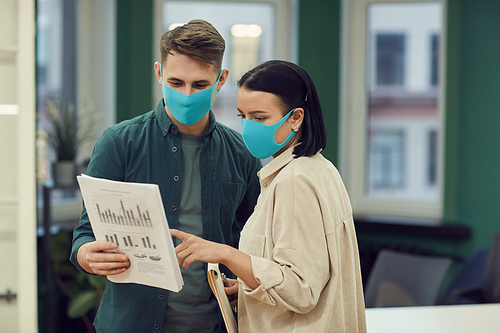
x: 252, y: 112
x: 173, y: 78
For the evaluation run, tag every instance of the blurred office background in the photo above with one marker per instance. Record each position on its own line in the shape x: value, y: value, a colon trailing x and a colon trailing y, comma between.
x: 409, y: 91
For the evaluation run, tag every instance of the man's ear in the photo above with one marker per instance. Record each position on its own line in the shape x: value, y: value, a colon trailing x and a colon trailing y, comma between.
x: 223, y: 78
x: 158, y: 72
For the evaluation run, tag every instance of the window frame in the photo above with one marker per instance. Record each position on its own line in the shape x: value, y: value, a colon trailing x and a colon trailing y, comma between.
x: 286, y: 47
x: 353, y: 117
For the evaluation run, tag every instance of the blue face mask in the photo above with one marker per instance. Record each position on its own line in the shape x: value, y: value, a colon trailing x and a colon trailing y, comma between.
x: 259, y: 138
x: 189, y: 109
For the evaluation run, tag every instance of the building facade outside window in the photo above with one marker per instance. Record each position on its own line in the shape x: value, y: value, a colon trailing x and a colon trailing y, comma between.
x: 392, y: 108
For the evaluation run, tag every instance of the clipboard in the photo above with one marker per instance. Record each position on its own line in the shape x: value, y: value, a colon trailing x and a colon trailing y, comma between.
x: 217, y: 285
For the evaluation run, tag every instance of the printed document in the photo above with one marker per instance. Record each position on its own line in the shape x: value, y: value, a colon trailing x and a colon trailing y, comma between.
x: 132, y: 216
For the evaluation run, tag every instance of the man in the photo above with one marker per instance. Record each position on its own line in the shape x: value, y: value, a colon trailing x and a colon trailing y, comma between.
x: 207, y: 179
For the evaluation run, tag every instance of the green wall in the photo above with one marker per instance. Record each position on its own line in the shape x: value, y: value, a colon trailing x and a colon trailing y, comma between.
x: 319, y: 55
x: 134, y: 38
x: 475, y: 118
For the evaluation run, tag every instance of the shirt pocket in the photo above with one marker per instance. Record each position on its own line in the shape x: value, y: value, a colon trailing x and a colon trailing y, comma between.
x: 252, y: 243
x: 231, y: 195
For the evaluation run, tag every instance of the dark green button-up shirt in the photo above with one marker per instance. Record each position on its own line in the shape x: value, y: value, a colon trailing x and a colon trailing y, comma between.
x: 146, y: 149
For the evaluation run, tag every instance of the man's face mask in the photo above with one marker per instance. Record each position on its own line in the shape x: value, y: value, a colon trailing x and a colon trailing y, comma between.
x: 189, y: 109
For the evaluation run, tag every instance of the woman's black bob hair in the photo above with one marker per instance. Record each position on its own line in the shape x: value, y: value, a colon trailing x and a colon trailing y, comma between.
x: 295, y: 89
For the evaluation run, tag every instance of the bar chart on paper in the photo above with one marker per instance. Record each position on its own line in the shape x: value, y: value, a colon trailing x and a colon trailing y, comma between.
x: 134, y: 217
x: 125, y: 217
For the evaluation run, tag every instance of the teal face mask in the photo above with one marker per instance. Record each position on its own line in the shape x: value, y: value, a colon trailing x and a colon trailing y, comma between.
x: 189, y: 109
x: 259, y: 138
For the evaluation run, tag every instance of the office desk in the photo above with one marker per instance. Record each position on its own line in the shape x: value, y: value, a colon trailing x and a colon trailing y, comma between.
x: 477, y: 318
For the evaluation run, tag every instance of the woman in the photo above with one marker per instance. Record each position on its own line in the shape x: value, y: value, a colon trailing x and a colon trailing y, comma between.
x: 298, y: 262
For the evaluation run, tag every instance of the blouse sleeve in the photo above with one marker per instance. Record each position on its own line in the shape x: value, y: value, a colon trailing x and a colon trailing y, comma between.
x: 299, y: 269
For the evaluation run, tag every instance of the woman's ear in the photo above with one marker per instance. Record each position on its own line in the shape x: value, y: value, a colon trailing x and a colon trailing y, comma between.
x: 296, y: 118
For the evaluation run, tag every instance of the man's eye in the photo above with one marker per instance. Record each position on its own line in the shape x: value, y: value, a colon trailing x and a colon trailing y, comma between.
x: 175, y: 84
x: 200, y: 86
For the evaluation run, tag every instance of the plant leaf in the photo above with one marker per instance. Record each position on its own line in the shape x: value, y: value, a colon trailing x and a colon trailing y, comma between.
x: 81, y: 304
x: 97, y: 281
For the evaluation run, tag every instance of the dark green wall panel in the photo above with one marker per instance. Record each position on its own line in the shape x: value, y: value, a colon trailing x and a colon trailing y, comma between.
x: 319, y: 55
x: 133, y: 57
x: 478, y: 177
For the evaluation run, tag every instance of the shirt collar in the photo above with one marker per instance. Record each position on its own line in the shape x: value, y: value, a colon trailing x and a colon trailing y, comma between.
x: 167, y: 126
x: 274, y: 166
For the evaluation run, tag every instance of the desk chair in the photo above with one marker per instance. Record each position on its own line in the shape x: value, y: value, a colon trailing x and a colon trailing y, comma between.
x: 465, y: 286
x: 491, y: 280
x: 402, y: 279
x: 478, y: 278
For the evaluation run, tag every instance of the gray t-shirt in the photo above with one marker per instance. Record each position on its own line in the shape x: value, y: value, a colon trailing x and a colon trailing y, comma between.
x: 193, y: 309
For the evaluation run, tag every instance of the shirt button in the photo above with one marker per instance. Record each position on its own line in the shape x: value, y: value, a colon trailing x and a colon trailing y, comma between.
x: 172, y: 128
x: 161, y: 297
x: 174, y: 208
x: 157, y: 327
x: 264, y: 184
x: 176, y: 178
x: 174, y: 149
x: 165, y: 131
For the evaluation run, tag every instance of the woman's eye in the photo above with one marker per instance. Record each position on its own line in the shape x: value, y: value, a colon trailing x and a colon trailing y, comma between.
x: 259, y: 119
x: 241, y: 115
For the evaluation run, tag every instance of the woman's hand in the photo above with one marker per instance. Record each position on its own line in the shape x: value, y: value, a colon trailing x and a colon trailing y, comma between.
x: 232, y: 291
x: 194, y: 248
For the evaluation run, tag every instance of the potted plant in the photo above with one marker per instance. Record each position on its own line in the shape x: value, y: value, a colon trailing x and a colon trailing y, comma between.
x: 66, y: 130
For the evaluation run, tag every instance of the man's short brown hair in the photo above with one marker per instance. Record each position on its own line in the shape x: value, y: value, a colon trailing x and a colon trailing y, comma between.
x: 197, y: 39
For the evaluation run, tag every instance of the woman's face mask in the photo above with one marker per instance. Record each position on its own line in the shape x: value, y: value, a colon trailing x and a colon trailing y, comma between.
x: 260, y: 138
x: 189, y: 109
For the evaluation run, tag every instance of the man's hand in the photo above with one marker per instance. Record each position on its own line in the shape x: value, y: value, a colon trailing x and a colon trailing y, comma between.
x: 93, y: 259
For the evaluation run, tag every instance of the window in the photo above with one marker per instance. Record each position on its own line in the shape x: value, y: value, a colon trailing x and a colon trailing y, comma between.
x: 84, y: 79
x: 434, y: 59
x: 391, y: 153
x: 432, y: 158
x: 386, y: 160
x: 250, y: 29
x: 390, y: 59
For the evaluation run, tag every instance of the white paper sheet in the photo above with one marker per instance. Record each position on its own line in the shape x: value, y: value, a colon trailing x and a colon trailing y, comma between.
x: 132, y: 216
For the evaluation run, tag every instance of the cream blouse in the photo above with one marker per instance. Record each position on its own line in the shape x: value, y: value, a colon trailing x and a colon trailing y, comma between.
x: 304, y: 252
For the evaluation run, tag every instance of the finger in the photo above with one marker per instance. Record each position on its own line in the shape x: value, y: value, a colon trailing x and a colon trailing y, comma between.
x: 111, y: 271
x: 181, y: 247
x: 231, y: 290
x: 109, y: 268
x: 98, y: 246
x: 106, y: 257
x: 232, y: 282
x: 187, y: 260
x: 179, y: 234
